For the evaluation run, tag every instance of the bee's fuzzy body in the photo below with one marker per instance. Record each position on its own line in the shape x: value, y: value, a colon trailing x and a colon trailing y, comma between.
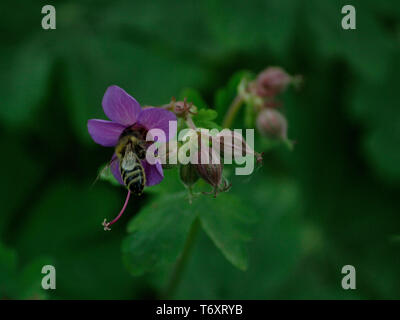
x: 130, y: 151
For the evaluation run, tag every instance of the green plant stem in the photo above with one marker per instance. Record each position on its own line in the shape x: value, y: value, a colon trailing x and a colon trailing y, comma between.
x: 182, y: 261
x: 190, y: 123
x: 232, y: 111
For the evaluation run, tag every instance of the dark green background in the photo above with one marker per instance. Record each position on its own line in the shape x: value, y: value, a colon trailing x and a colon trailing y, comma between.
x: 333, y: 201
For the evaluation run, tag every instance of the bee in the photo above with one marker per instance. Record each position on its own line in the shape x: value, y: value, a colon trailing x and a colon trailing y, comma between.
x: 130, y: 150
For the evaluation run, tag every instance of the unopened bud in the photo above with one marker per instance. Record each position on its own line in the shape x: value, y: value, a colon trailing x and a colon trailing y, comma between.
x: 272, y: 81
x: 188, y: 175
x: 272, y: 124
x: 232, y: 144
x: 211, y: 173
x: 208, y: 164
x: 182, y: 108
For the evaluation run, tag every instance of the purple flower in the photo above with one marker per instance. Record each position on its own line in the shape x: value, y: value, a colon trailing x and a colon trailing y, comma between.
x: 125, y: 113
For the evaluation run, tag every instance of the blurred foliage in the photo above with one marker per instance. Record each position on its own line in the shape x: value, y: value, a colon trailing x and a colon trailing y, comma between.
x: 294, y: 223
x: 158, y: 234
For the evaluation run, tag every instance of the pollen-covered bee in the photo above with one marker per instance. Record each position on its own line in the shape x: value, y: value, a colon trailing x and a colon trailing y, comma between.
x: 130, y: 150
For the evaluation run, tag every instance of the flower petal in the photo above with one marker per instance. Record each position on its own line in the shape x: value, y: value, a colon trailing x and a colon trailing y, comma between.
x: 120, y: 107
x: 115, y: 169
x: 154, y: 173
x: 105, y: 133
x: 157, y: 118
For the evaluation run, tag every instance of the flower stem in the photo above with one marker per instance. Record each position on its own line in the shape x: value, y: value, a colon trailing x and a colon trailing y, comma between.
x: 182, y: 261
x: 190, y: 123
x: 232, y: 111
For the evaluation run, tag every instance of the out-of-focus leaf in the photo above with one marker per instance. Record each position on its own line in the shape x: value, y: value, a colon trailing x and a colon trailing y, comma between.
x: 170, y: 183
x: 369, y: 60
x: 70, y: 213
x: 377, y: 108
x: 186, y: 21
x: 273, y: 253
x: 272, y: 24
x: 15, y: 158
x: 227, y: 222
x: 204, y: 119
x: 95, y: 270
x: 66, y: 226
x: 387, y: 8
x: 158, y: 234
x: 24, y: 79
x: 8, y: 265
x: 30, y: 278
x: 17, y: 282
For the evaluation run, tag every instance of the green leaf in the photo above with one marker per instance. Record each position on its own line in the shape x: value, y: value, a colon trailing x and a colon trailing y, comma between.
x: 274, y: 253
x: 170, y: 183
x: 158, y: 234
x: 70, y: 212
x: 190, y: 32
x: 8, y: 265
x: 17, y: 283
x: 227, y: 221
x: 24, y: 82
x: 30, y: 280
x: 27, y: 179
x: 204, y: 119
x: 367, y: 48
x: 65, y: 224
x: 204, y: 116
x: 376, y: 107
x: 263, y: 24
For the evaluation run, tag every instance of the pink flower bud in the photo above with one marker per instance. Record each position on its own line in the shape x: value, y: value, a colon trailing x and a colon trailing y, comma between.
x: 272, y: 124
x: 209, y: 167
x: 233, y: 144
x: 211, y: 173
x: 182, y: 108
x: 272, y: 81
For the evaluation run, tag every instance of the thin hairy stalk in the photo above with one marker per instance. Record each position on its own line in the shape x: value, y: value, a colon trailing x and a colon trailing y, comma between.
x: 190, y: 123
x: 232, y: 111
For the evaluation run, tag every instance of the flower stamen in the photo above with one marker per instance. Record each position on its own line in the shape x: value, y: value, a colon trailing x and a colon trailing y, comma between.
x: 106, y: 224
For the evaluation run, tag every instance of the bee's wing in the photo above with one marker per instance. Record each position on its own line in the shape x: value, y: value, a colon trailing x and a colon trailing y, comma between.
x: 106, y: 167
x: 129, y: 161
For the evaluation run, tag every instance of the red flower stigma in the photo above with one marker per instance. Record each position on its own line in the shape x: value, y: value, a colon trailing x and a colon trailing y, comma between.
x: 106, y: 224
